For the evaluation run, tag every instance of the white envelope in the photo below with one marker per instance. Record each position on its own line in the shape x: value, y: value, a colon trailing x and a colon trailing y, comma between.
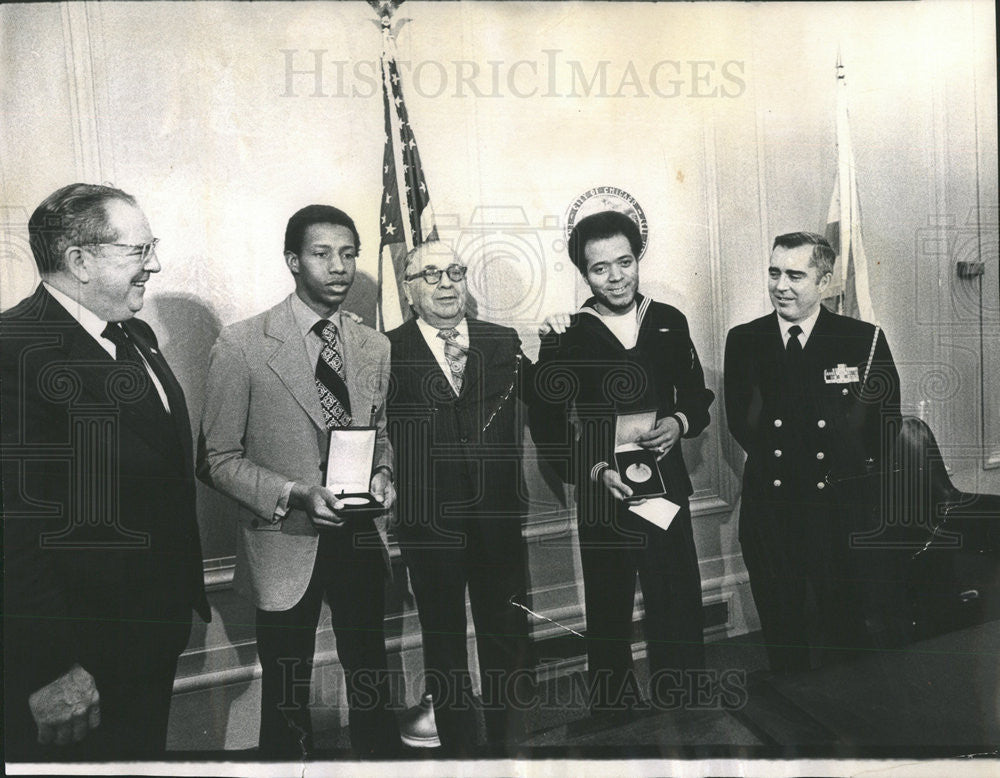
x: 657, y: 510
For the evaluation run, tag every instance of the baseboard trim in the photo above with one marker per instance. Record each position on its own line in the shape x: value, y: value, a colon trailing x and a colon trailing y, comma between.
x: 716, y: 603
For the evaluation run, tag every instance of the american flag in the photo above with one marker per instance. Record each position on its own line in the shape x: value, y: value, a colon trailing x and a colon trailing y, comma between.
x: 407, y: 218
x: 849, y: 291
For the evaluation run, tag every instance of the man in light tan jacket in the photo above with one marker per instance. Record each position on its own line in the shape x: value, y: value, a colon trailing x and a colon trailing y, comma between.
x: 278, y: 383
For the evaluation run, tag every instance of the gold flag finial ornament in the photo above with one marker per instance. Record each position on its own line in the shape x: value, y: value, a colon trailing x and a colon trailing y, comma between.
x: 385, y: 10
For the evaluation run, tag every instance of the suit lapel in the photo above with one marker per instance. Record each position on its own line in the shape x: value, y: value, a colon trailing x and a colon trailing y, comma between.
x: 421, y: 360
x: 819, y: 337
x: 290, y: 361
x: 353, y: 340
x: 92, y: 365
x: 90, y: 362
x: 772, y: 355
x: 475, y: 358
x: 175, y: 395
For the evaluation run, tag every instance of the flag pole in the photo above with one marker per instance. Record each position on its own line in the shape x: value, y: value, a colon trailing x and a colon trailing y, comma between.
x: 844, y: 218
x: 406, y: 216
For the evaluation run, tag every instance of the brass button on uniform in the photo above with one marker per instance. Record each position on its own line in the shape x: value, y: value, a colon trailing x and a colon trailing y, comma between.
x: 821, y: 485
x: 777, y: 482
x: 821, y: 423
x: 844, y: 390
x: 777, y: 452
x: 777, y: 422
x: 820, y: 455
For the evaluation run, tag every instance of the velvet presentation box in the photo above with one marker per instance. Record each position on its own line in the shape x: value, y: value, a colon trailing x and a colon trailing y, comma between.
x: 636, y: 465
x: 349, y: 471
x: 637, y: 469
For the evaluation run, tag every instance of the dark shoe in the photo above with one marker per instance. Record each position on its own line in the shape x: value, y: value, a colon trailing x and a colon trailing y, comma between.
x: 416, y: 726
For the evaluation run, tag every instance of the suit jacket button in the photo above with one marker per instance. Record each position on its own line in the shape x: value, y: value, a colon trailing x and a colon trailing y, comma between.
x: 465, y: 439
x: 821, y: 485
x: 777, y: 482
x: 821, y: 423
x: 820, y: 455
x: 777, y: 422
x: 777, y: 452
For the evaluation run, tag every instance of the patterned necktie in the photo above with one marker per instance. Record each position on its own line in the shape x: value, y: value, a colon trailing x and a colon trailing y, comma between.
x: 456, y: 356
x: 126, y: 352
x: 330, y: 382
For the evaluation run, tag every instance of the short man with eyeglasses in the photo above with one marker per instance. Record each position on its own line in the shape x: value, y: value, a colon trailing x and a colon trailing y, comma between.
x: 102, y: 558
x: 278, y: 384
x: 455, y: 422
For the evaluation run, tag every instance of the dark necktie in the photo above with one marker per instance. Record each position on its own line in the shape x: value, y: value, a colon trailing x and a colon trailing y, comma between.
x: 455, y: 355
x: 794, y: 368
x: 330, y: 380
x: 126, y: 352
x: 794, y: 346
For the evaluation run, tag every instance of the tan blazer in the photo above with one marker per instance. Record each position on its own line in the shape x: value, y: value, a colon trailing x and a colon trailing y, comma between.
x: 262, y: 426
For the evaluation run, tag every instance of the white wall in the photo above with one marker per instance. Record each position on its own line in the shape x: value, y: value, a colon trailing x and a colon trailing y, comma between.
x: 187, y: 106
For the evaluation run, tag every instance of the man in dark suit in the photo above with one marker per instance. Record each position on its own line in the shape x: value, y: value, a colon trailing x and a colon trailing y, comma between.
x: 278, y: 384
x: 625, y: 353
x: 456, y: 428
x: 102, y: 558
x: 813, y: 399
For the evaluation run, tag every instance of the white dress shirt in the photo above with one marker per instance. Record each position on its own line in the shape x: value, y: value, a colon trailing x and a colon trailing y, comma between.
x: 806, y: 324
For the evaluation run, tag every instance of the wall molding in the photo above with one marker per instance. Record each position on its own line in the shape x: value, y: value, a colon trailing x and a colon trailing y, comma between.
x: 219, y: 571
x: 714, y: 590
x: 724, y: 499
x: 82, y: 31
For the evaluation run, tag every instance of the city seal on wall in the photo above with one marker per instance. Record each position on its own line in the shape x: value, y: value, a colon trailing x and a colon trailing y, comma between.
x: 607, y: 198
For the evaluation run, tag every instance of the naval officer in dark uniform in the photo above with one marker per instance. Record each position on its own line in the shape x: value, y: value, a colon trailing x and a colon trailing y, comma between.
x: 813, y: 399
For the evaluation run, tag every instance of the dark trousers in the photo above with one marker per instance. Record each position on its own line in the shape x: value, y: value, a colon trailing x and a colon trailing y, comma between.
x: 350, y: 572
x: 792, y: 548
x: 613, y: 551
x: 133, y: 668
x: 494, y: 575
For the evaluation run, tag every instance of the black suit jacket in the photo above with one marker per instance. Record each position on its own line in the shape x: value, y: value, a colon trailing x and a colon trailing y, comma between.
x: 458, y: 459
x: 815, y: 441
x: 100, y: 533
x: 588, y: 371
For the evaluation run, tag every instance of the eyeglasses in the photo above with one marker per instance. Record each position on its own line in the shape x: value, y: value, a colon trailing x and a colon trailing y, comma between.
x: 147, y: 250
x: 432, y: 275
